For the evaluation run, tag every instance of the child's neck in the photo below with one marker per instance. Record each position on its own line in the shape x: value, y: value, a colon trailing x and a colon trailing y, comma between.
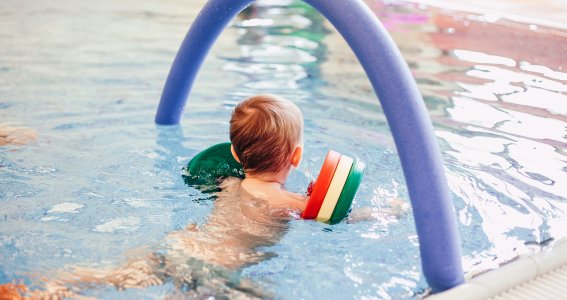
x: 262, y: 187
x: 272, y: 178
x: 269, y: 187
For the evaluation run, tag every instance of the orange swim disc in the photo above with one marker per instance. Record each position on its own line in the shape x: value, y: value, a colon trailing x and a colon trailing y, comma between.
x: 321, y: 185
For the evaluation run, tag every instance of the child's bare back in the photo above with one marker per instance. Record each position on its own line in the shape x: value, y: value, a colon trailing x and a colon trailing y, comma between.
x: 199, y: 260
x: 239, y: 224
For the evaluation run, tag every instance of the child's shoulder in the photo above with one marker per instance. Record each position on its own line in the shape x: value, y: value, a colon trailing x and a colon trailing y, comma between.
x: 230, y: 183
x: 275, y: 196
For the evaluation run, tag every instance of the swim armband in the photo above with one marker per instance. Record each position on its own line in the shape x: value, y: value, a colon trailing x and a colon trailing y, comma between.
x: 331, y: 196
x: 211, y: 165
x: 335, y: 188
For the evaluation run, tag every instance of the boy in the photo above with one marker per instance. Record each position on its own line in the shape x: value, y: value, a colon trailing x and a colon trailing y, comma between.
x: 267, y: 139
x: 266, y: 133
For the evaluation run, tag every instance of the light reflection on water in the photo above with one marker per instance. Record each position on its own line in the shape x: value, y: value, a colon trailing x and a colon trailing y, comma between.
x: 497, y: 99
x: 503, y: 122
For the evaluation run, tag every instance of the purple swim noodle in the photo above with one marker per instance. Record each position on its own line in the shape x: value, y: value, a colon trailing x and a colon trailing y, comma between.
x: 403, y: 106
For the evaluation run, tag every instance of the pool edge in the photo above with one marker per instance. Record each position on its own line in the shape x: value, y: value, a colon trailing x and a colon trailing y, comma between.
x: 527, y: 273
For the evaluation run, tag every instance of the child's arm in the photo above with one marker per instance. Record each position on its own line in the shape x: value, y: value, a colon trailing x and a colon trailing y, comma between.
x: 396, y: 209
x: 297, y: 201
x: 68, y: 283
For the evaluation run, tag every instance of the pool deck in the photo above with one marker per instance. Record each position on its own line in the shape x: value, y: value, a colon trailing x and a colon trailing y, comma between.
x: 551, y: 13
x: 539, y: 276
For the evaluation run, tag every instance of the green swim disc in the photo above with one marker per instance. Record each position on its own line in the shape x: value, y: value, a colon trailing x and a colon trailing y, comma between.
x: 214, y: 163
x: 347, y: 194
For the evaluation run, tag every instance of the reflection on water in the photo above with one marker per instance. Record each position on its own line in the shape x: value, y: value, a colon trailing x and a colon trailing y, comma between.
x: 279, y: 47
x: 503, y: 121
x: 10, y: 135
x: 101, y: 178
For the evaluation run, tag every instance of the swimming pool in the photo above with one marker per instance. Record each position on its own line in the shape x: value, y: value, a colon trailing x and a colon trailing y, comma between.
x: 102, y: 179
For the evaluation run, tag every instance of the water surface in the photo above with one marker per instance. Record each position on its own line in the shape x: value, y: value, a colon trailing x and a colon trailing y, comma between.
x: 102, y: 179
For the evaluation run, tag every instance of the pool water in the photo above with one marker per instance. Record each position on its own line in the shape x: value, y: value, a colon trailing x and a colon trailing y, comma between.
x: 102, y: 180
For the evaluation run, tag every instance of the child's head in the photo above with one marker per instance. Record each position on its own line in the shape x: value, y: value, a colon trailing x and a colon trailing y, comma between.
x: 266, y: 133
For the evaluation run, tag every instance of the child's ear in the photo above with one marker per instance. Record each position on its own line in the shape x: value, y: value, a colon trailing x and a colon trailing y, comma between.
x: 297, y: 155
x: 234, y: 154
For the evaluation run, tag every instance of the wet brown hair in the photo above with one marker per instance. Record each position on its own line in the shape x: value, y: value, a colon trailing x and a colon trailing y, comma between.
x: 264, y: 131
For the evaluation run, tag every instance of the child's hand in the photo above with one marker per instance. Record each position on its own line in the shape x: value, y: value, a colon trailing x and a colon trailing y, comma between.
x: 397, y: 208
x: 12, y: 291
x: 361, y: 214
x: 310, y: 188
